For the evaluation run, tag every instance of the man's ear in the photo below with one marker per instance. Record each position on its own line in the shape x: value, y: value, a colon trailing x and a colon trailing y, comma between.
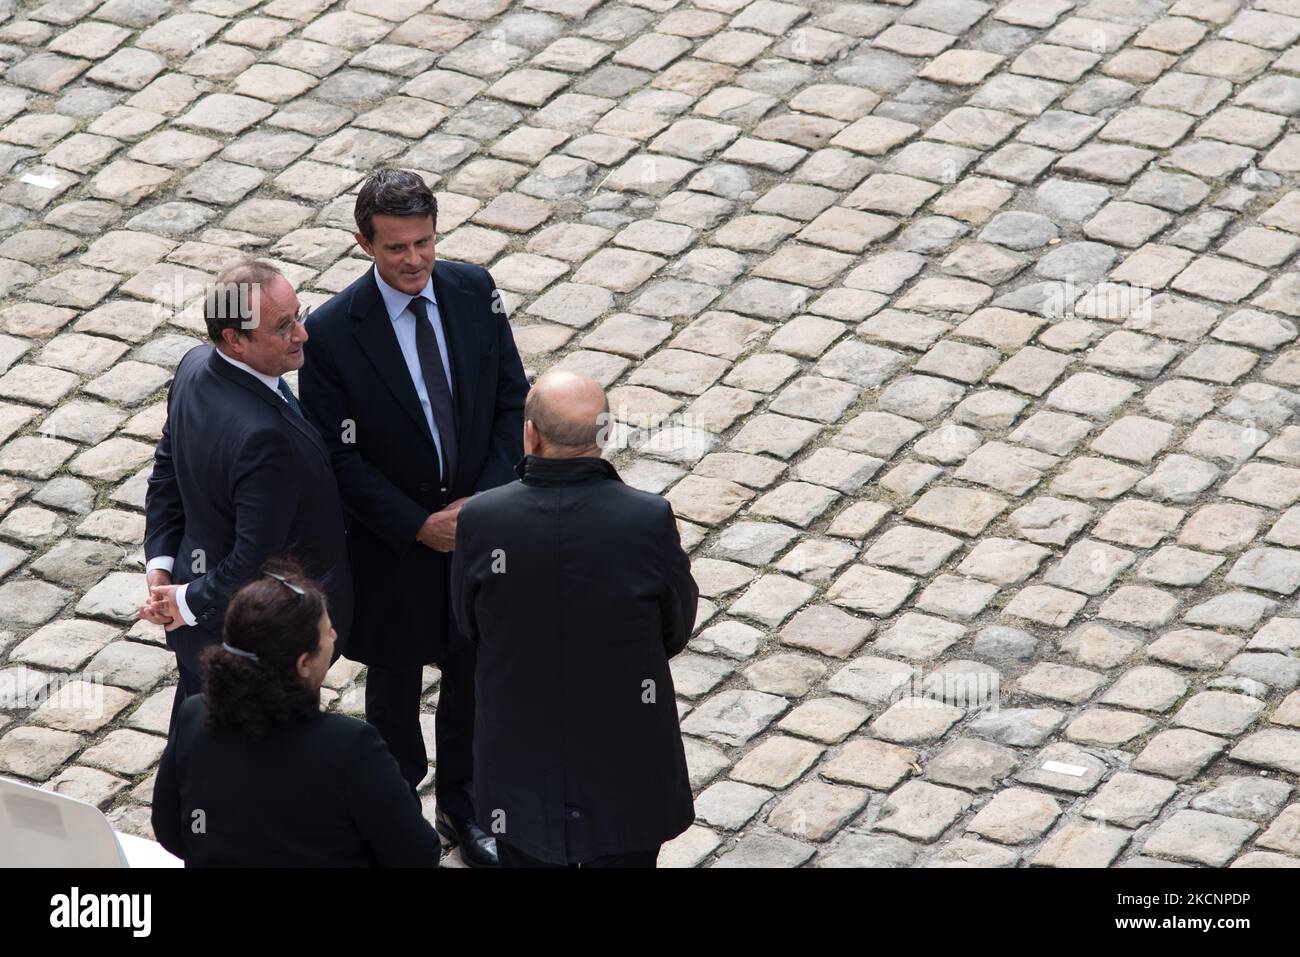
x: 302, y: 666
x: 232, y: 341
x: 364, y: 244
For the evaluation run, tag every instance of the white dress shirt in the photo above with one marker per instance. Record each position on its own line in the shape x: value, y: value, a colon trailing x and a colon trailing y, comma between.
x: 270, y: 381
x: 398, y: 305
x: 168, y: 562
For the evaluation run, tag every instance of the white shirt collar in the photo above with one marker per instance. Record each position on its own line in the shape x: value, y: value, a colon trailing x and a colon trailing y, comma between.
x: 270, y: 381
x: 396, y: 301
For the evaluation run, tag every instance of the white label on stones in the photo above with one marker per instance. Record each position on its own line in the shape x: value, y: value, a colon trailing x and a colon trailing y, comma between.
x: 44, y: 182
x: 1059, y: 768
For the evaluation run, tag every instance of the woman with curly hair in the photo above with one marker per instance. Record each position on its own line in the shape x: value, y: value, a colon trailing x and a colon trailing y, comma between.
x: 255, y: 774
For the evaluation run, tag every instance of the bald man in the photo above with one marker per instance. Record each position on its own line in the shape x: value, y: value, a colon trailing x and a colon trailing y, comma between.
x: 577, y: 591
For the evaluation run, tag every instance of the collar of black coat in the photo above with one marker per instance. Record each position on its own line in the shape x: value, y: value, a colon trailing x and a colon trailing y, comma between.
x: 535, y: 470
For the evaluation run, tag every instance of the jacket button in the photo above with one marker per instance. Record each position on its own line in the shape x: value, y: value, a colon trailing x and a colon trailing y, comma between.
x: 575, y: 814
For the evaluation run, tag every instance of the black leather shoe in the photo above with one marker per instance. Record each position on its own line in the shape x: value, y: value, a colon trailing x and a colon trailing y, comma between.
x: 477, y: 847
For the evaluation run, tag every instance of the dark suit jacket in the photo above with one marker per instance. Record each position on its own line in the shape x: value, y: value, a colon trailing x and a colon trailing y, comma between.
x: 316, y: 792
x: 356, y: 388
x: 238, y: 478
x: 576, y: 588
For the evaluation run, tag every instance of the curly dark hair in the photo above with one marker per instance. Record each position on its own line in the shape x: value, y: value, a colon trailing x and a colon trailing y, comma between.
x: 267, y: 618
x: 392, y: 192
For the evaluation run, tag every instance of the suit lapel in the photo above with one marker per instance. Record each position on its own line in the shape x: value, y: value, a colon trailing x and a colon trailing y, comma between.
x: 245, y: 381
x: 458, y: 311
x: 299, y: 421
x: 375, y: 335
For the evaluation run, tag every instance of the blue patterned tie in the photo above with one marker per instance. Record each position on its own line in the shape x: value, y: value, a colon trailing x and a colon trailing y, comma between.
x: 289, y: 396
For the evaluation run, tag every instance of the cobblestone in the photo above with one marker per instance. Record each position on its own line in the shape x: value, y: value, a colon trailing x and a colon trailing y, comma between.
x: 979, y: 320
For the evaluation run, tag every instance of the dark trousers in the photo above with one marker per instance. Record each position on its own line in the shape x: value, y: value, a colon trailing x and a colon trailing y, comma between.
x: 513, y: 857
x: 393, y: 707
x: 189, y: 644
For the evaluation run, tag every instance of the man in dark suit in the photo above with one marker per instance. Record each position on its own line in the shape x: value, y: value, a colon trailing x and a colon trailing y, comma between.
x: 414, y: 381
x: 239, y: 474
x: 576, y: 588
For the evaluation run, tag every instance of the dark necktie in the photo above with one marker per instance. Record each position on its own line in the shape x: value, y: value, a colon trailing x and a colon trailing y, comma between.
x: 435, y: 383
x: 289, y: 397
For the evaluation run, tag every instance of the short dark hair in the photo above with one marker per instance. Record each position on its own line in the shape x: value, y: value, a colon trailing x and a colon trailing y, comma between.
x: 269, y: 619
x: 229, y: 301
x: 393, y: 192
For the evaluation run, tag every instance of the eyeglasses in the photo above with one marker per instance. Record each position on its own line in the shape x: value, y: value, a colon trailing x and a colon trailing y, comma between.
x: 285, y: 329
x: 301, y: 593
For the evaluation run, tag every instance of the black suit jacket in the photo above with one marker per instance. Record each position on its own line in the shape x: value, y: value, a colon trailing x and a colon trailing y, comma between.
x: 316, y: 792
x: 238, y: 478
x: 577, y: 590
x: 356, y: 388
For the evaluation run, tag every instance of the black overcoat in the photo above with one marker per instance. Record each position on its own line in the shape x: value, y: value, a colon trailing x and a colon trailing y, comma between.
x: 577, y: 590
x: 321, y: 791
x: 356, y: 388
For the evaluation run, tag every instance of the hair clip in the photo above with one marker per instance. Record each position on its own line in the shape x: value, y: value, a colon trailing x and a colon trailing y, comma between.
x: 238, y: 651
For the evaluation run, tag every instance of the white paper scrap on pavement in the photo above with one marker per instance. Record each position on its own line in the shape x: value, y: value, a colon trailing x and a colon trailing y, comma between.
x: 44, y: 182
x: 1060, y: 768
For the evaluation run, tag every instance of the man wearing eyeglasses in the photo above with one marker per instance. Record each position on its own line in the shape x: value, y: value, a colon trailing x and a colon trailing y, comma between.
x: 239, y: 474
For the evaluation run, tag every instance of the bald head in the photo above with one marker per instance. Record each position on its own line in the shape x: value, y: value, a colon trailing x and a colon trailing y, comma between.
x: 565, y: 416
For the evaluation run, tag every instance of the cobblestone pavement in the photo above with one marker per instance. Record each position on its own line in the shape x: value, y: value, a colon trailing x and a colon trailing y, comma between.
x: 973, y: 321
